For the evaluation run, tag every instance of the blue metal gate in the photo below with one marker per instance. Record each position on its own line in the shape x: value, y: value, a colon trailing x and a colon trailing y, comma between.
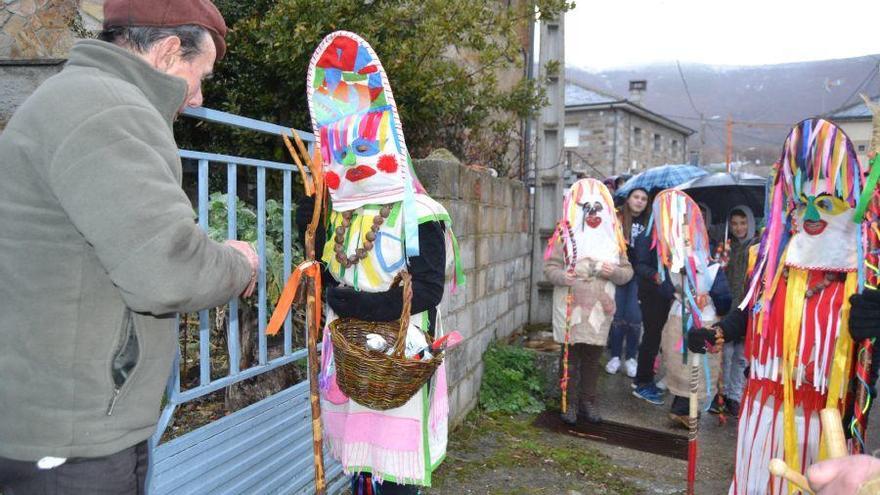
x: 266, y: 447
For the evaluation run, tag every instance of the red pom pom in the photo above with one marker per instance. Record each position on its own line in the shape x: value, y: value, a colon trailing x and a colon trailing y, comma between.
x: 332, y: 180
x: 387, y: 163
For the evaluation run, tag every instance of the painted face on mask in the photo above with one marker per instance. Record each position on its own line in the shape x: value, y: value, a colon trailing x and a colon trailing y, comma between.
x: 590, y: 211
x: 360, y: 155
x: 824, y: 235
x: 592, y: 214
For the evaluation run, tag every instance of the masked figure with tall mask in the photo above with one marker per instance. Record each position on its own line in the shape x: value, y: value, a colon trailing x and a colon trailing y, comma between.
x: 700, y: 292
x: 585, y: 259
x: 380, y: 222
x: 796, y: 313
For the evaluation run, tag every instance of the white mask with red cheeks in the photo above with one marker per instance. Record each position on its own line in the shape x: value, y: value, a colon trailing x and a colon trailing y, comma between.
x: 357, y: 126
x: 589, y: 211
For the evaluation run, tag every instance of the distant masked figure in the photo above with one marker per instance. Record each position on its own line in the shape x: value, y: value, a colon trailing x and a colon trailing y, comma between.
x: 585, y: 259
x: 700, y: 294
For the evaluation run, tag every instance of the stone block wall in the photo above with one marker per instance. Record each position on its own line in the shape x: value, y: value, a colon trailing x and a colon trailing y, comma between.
x: 36, y: 29
x: 35, y: 37
x: 490, y: 218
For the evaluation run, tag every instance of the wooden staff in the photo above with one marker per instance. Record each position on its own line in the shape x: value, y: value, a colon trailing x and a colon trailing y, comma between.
x: 693, y: 399
x: 312, y: 271
x: 693, y: 421
x: 563, y: 382
x: 778, y: 467
x: 832, y: 431
x: 835, y: 442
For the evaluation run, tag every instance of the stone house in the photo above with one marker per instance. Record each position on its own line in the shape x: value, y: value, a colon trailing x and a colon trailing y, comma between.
x: 855, y: 120
x: 606, y: 134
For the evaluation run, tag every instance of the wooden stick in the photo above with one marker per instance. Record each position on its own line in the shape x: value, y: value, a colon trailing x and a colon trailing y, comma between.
x: 302, y: 171
x: 832, y: 431
x: 778, y: 467
x: 693, y: 420
x: 313, y: 187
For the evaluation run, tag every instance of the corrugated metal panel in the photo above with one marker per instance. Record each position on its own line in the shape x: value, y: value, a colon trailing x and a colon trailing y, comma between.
x: 264, y: 448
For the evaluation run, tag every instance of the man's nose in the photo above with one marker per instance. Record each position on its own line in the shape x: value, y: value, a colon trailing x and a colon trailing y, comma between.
x: 196, y: 100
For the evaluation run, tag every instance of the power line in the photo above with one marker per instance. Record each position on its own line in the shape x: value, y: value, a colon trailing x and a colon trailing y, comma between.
x: 871, y: 75
x: 686, y: 89
x: 756, y: 123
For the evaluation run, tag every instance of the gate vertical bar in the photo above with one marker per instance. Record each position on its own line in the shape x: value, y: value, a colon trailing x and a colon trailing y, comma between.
x: 288, y: 240
x: 261, y: 251
x: 204, y: 318
x: 232, y: 339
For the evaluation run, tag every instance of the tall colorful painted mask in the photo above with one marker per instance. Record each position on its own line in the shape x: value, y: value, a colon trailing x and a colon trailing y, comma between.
x: 357, y: 127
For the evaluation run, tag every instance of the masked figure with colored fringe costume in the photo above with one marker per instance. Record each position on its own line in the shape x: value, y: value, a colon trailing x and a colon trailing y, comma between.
x: 380, y: 222
x: 795, y: 314
x: 683, y: 260
x: 585, y: 259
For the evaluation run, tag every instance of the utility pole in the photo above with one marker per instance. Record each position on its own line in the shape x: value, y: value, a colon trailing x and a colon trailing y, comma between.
x: 549, y: 187
x: 729, y: 141
x: 702, y: 138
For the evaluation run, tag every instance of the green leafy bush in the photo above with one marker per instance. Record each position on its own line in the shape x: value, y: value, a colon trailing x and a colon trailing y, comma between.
x: 455, y: 67
x: 512, y: 382
x: 246, y: 223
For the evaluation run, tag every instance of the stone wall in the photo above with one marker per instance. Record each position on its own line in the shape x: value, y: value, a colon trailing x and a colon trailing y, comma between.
x: 35, y: 37
x: 18, y: 81
x: 36, y: 29
x: 490, y: 219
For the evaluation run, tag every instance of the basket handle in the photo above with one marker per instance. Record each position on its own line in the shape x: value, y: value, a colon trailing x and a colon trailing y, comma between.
x: 400, y: 344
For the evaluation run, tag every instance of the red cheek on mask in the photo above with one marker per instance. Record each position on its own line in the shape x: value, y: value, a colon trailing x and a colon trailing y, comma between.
x: 332, y: 180
x: 387, y: 163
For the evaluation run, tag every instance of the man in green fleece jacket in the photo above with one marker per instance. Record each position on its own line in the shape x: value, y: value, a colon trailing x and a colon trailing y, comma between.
x: 99, y: 250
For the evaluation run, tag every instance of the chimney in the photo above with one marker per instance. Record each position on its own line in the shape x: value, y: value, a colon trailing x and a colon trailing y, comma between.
x: 637, y: 90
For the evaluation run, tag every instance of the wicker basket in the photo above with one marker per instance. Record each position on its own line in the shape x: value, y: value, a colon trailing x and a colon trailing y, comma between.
x: 375, y: 379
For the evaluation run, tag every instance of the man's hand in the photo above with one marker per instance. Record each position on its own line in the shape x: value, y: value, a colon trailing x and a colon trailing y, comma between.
x: 844, y: 475
x: 251, y: 255
x: 864, y: 317
x: 702, y: 339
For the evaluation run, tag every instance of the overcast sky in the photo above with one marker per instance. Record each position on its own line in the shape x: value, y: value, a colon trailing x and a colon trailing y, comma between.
x: 601, y: 34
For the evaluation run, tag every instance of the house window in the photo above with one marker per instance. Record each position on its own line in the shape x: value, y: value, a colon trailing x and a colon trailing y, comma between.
x: 637, y: 136
x: 572, y: 136
x: 862, y: 148
x: 675, y: 146
x: 657, y: 142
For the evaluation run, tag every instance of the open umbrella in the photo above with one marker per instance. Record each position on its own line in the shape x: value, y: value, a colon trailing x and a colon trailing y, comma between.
x: 662, y: 177
x: 724, y: 191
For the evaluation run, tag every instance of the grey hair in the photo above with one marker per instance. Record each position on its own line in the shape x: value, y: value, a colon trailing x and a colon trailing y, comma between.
x: 141, y: 38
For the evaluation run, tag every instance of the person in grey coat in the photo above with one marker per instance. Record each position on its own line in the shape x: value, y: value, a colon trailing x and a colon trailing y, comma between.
x: 99, y: 250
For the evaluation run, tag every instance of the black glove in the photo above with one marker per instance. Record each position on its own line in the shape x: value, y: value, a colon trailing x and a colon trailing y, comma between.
x: 368, y: 306
x: 864, y: 316
x: 699, y: 339
x: 343, y: 300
